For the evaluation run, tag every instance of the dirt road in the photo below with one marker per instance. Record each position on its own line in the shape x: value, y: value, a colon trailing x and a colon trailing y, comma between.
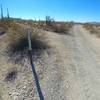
x: 77, y: 76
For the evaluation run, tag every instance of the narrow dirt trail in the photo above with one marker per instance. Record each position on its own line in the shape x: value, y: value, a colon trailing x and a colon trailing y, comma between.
x: 79, y: 68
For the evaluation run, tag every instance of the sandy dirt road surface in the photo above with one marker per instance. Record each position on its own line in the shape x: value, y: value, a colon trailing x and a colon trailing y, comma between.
x: 76, y: 76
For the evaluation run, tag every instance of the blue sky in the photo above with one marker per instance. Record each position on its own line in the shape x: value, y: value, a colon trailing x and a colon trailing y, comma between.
x: 66, y: 10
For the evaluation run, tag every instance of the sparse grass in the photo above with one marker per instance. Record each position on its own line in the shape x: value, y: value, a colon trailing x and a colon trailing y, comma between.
x: 88, y: 26
x: 94, y: 29
x: 6, y: 24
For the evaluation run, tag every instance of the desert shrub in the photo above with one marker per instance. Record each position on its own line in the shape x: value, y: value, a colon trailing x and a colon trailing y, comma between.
x: 6, y: 24
x: 21, y: 41
x: 9, y: 24
x: 18, y: 43
x: 62, y: 28
x: 49, y: 20
x: 88, y: 26
x: 59, y: 27
x: 93, y: 29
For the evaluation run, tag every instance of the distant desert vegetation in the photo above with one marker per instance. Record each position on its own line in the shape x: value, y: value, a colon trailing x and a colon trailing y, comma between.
x: 93, y: 28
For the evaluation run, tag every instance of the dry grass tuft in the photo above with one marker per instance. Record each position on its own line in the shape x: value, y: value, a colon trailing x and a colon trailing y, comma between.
x: 18, y: 41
